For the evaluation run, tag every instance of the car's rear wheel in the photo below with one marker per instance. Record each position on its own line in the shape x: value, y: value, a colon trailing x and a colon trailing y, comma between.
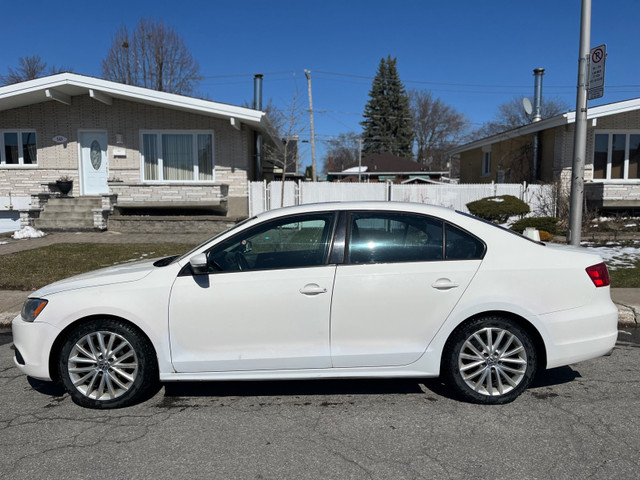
x: 106, y: 363
x: 489, y: 360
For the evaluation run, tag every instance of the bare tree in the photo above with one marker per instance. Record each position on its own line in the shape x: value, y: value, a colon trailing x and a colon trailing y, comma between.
x: 291, y: 125
x: 436, y: 128
x: 511, y: 115
x: 342, y: 151
x: 30, y: 68
x: 152, y: 56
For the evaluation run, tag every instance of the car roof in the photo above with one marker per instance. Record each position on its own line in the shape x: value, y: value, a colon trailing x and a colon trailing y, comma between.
x: 360, y: 205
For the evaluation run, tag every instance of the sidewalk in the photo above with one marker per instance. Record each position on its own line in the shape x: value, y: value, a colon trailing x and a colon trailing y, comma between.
x: 627, y: 299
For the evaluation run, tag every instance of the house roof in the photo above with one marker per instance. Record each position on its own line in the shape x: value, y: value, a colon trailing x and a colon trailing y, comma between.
x: 62, y: 86
x: 381, y: 163
x: 559, y: 120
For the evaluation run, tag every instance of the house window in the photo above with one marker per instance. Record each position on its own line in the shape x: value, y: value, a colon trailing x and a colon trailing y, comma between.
x: 486, y: 164
x: 177, y: 156
x: 616, y: 156
x: 18, y: 147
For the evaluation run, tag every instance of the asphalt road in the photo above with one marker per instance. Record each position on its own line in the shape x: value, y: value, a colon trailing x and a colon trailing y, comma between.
x: 576, y: 422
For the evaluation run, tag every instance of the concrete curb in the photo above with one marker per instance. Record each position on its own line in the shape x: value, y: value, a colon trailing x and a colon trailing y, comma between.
x: 628, y: 315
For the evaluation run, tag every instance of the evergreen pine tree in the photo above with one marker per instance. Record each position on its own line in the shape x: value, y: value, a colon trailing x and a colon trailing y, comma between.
x: 387, y: 117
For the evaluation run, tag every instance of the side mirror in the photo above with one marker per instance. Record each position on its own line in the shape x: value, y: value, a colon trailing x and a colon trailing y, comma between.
x: 199, y: 264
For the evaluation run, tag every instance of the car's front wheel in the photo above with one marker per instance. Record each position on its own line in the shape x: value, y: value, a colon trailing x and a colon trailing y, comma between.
x: 107, y: 363
x: 489, y: 360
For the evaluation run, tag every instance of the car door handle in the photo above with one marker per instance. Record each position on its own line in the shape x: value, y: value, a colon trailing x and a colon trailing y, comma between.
x: 312, y: 289
x: 444, y: 284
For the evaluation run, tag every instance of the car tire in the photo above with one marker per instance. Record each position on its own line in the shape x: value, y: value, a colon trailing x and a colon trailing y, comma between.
x: 107, y: 363
x: 489, y: 360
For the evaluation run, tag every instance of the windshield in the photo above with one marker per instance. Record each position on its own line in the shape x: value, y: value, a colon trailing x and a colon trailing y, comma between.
x: 190, y: 252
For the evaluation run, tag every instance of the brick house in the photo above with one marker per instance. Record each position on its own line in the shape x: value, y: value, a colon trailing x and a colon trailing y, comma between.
x: 131, y: 145
x: 612, y: 163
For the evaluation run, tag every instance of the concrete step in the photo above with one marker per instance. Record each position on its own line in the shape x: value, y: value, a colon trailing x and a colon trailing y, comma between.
x: 52, y: 225
x: 68, y: 214
x: 64, y: 209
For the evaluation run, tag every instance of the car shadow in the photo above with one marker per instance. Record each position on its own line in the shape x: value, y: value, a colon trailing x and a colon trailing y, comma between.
x: 554, y: 376
x: 292, y: 388
x: 53, y: 389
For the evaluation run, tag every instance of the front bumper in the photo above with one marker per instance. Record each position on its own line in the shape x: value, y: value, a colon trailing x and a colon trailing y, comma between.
x: 33, y: 342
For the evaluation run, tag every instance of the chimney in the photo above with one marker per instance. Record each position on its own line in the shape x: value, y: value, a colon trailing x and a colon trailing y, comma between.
x: 257, y: 91
x: 537, y: 94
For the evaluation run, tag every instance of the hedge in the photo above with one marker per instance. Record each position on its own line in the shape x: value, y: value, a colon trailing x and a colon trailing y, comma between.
x: 547, y: 224
x: 498, y: 209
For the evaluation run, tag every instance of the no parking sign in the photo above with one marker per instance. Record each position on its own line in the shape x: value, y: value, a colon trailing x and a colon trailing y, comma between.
x: 597, y: 60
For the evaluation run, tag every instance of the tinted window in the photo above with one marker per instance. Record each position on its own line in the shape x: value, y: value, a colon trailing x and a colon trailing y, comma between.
x: 291, y: 242
x: 461, y: 245
x: 393, y: 237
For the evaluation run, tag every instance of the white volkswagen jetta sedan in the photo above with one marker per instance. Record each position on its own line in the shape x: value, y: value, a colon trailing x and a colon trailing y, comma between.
x: 335, y: 290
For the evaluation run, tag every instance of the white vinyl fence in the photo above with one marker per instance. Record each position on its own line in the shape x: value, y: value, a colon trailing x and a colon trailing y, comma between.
x: 267, y: 196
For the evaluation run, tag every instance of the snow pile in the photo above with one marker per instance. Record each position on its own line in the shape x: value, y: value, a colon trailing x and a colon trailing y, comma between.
x: 28, y: 232
x: 3, y: 243
x: 617, y: 256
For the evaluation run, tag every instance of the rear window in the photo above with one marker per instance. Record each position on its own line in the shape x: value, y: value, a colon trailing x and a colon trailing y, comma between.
x: 512, y: 232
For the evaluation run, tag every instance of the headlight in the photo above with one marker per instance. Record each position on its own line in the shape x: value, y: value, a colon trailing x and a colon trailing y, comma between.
x: 32, y: 308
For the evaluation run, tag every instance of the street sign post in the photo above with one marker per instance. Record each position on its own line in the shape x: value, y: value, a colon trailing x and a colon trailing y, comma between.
x: 597, y: 60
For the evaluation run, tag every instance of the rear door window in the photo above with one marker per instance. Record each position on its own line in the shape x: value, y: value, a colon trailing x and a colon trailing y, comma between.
x: 394, y: 237
x: 386, y: 237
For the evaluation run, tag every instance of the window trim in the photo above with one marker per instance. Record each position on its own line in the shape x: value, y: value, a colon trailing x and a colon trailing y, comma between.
x: 625, y: 169
x: 160, y: 164
x: 20, y: 163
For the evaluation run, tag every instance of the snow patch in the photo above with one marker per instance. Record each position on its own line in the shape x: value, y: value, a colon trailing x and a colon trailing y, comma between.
x: 616, y: 256
x: 496, y: 199
x: 28, y: 232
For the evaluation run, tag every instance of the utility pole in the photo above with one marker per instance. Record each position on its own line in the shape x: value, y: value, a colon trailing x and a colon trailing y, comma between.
x: 580, y: 138
x: 359, y: 159
x: 314, y: 175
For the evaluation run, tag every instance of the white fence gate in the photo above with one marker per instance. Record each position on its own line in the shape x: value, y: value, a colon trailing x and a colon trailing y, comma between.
x: 263, y: 196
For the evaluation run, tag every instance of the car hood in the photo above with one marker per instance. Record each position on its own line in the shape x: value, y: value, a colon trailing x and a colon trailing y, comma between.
x: 126, y: 272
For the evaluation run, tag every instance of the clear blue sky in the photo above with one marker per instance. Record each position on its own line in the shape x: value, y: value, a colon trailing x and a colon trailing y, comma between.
x: 472, y: 54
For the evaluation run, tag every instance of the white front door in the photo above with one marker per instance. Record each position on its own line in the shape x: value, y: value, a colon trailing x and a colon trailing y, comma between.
x: 265, y: 303
x: 255, y: 320
x: 93, y: 163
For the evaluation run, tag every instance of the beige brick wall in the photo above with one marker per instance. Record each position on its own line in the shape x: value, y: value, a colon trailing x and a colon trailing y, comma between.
x: 232, y: 148
x: 168, y: 192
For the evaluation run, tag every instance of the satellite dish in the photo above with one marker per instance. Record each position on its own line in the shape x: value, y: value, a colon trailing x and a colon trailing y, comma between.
x: 528, y: 108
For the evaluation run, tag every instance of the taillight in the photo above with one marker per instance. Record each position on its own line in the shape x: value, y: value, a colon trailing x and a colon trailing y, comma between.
x: 599, y: 274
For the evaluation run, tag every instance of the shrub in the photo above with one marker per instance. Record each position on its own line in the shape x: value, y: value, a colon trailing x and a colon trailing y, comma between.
x: 498, y: 209
x: 545, y: 236
x: 547, y: 224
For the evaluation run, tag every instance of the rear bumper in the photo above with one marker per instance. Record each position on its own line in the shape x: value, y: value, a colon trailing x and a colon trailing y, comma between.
x: 33, y: 342
x: 581, y: 333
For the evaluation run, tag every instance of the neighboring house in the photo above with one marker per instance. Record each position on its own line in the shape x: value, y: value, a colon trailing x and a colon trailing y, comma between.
x: 148, y: 147
x: 381, y: 167
x: 612, y: 173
